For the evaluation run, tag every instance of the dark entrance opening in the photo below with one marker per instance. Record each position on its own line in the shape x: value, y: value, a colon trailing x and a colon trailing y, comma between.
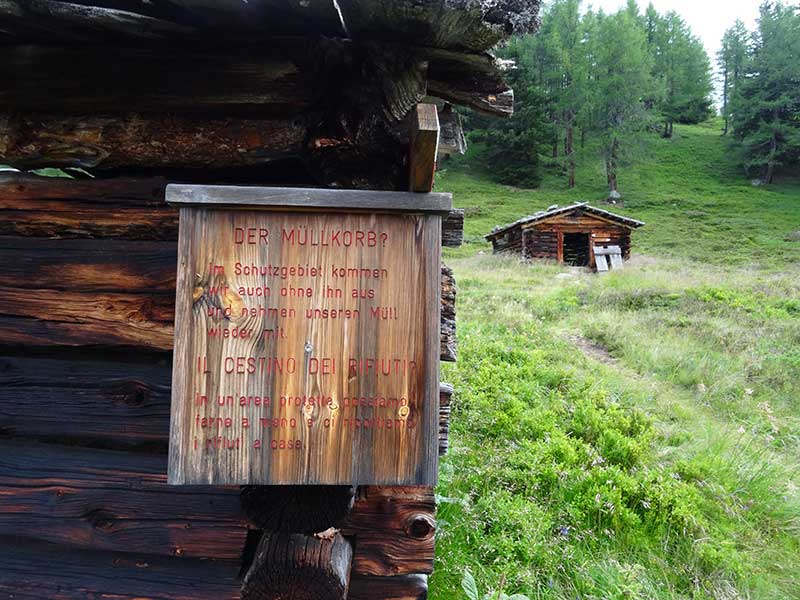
x: 576, y: 249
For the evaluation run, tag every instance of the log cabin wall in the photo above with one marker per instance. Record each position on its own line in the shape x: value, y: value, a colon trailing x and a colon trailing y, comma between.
x: 509, y: 242
x: 85, y: 368
x: 540, y: 244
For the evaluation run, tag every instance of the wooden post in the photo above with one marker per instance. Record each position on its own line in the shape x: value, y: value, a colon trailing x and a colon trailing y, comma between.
x: 299, y: 567
x: 423, y: 148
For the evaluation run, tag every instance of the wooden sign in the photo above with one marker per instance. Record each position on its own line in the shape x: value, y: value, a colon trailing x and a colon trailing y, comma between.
x: 306, y: 336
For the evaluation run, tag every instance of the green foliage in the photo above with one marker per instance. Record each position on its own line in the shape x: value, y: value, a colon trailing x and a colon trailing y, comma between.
x: 681, y: 69
x: 471, y: 590
x: 766, y: 108
x: 591, y: 74
x: 507, y: 150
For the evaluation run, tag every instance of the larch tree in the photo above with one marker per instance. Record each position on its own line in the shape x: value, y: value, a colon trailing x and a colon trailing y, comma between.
x: 765, y: 111
x: 731, y: 63
x: 682, y: 72
x: 561, y: 50
x: 621, y: 82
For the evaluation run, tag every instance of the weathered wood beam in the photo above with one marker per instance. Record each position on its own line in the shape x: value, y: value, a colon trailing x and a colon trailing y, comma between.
x: 300, y: 567
x: 423, y: 147
x: 402, y: 587
x: 118, y: 208
x: 474, y: 80
x: 99, y: 401
x: 115, y: 501
x: 90, y: 265
x: 147, y: 79
x: 457, y: 24
x: 59, y: 318
x: 294, y: 78
x: 33, y: 571
x: 395, y: 530
x: 32, y: 140
x: 304, y: 509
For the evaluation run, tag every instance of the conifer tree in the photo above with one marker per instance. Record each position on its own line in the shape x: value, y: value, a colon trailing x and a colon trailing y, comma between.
x: 766, y: 109
x: 731, y: 63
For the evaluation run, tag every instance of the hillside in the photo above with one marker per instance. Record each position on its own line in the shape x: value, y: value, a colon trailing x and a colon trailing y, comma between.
x: 634, y: 435
x: 695, y: 198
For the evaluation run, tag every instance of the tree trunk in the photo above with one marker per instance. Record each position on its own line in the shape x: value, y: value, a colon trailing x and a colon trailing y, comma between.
x: 570, y: 152
x: 769, y: 174
x: 611, y: 166
x: 725, y: 101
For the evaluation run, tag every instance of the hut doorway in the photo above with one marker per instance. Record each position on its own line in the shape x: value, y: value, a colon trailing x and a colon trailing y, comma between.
x: 576, y: 249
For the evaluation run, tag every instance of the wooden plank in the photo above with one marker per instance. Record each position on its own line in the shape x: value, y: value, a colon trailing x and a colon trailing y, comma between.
x: 395, y: 528
x: 423, y: 147
x: 402, y: 587
x: 602, y: 264
x: 47, y: 317
x: 114, y: 501
x: 381, y: 349
x: 607, y: 250
x: 616, y: 260
x: 88, y: 265
x: 34, y: 571
x: 300, y: 567
x: 251, y: 197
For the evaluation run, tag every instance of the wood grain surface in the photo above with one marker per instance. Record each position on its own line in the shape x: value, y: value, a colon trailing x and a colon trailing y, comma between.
x: 383, y: 352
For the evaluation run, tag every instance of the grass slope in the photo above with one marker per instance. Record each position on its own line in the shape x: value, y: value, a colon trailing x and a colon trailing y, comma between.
x: 634, y: 435
x: 695, y: 199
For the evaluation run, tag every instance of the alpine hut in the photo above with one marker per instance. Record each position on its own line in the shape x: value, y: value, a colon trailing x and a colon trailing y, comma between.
x: 573, y: 235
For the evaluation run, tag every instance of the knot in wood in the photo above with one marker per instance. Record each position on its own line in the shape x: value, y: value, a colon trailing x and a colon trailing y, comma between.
x: 100, y: 519
x: 420, y: 526
x: 130, y: 393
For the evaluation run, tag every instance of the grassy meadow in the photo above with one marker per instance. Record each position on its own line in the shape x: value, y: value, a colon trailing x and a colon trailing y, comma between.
x: 637, y: 434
